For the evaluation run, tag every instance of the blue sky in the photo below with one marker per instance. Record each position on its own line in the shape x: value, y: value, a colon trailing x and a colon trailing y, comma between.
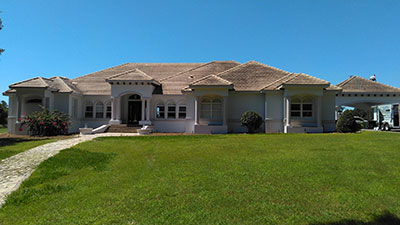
x: 327, y: 39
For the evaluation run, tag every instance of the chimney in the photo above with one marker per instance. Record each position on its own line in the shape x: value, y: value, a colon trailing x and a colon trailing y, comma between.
x: 373, y: 78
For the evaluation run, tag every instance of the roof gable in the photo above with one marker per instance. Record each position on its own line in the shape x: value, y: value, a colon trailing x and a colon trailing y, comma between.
x: 174, y: 84
x: 131, y: 75
x: 211, y: 80
x: 252, y: 76
x: 37, y: 82
x: 359, y: 84
x: 305, y: 79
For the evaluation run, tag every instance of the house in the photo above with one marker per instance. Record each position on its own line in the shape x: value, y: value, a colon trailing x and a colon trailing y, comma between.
x: 183, y: 97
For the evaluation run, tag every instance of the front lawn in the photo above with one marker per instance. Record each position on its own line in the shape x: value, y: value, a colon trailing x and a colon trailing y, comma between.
x: 3, y: 130
x: 220, y: 179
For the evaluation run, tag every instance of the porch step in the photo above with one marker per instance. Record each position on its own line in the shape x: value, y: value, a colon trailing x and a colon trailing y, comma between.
x: 122, y: 128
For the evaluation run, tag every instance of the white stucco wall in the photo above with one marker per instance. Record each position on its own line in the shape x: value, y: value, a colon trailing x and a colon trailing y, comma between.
x: 328, y: 111
x: 274, y: 120
x: 239, y: 103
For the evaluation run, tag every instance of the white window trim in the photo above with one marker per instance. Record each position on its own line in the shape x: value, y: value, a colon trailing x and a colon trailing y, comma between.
x: 84, y: 111
x: 212, y: 111
x: 167, y: 110
x: 179, y: 111
x: 155, y: 111
x: 301, y: 110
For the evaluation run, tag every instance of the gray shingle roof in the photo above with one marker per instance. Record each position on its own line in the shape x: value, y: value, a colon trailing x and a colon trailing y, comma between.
x: 131, y: 75
x: 359, y: 84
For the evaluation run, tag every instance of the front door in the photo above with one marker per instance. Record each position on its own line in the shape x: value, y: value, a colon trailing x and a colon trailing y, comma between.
x: 134, y: 112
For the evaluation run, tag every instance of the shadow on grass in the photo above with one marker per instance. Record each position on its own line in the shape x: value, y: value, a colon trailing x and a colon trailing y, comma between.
x: 383, y: 219
x: 13, y: 141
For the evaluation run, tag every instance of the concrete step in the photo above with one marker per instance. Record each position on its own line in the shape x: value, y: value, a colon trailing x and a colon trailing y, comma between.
x: 123, y: 128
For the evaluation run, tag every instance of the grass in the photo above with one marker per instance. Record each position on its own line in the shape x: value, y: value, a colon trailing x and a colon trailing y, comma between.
x: 10, y: 146
x: 219, y: 179
x: 3, y: 130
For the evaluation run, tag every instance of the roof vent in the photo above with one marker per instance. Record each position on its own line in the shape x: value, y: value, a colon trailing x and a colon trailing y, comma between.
x: 373, y: 78
x: 191, y: 77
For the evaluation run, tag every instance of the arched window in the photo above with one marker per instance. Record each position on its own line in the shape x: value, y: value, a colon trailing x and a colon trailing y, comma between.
x: 34, y: 101
x: 89, y: 110
x: 160, y: 110
x: 108, y: 110
x: 134, y: 97
x: 99, y: 110
x: 171, y: 113
x: 211, y: 108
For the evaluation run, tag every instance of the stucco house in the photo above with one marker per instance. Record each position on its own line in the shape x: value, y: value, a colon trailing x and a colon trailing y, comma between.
x: 182, y: 97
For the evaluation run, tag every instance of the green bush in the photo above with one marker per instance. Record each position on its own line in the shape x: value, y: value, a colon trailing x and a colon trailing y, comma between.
x: 347, y: 122
x: 46, y: 123
x: 251, y: 120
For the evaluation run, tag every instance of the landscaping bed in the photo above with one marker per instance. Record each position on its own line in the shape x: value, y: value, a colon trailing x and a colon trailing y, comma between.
x: 216, y: 179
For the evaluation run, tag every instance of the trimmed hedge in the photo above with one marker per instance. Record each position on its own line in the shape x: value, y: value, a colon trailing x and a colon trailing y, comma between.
x: 251, y: 120
x: 347, y: 122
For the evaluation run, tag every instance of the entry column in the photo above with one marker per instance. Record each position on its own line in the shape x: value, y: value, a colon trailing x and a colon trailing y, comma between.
x: 115, y: 111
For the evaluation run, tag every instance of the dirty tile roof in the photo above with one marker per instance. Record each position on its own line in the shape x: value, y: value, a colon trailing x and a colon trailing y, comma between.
x: 134, y: 74
x: 95, y: 83
x: 252, y: 76
x: 173, y: 78
x: 174, y: 84
x: 211, y: 80
x: 360, y: 84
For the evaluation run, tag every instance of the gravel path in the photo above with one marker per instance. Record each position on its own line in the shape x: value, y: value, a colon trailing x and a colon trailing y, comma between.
x: 17, y: 168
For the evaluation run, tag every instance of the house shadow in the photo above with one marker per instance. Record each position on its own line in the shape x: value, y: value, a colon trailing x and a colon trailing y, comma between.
x: 12, y: 141
x: 384, y: 219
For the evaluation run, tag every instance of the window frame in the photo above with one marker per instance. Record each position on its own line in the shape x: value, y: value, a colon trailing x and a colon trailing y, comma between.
x: 173, y: 113
x: 89, y: 104
x: 302, y: 112
x: 182, y: 112
x: 108, y: 112
x: 208, y: 107
x: 96, y: 114
x: 159, y: 112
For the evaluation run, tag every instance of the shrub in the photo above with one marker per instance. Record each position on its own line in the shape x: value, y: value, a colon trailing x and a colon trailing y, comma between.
x: 251, y: 120
x: 46, y: 123
x: 347, y: 122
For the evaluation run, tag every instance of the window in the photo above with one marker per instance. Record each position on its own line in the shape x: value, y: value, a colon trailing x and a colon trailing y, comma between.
x: 108, y: 110
x: 99, y: 110
x: 171, y: 111
x: 211, y: 108
x: 160, y: 111
x: 301, y: 108
x: 74, y: 108
x: 182, y: 112
x: 307, y: 110
x: 89, y: 110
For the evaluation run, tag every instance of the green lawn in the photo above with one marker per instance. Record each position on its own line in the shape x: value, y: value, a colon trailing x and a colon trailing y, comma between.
x: 219, y: 179
x: 13, y: 146
x: 3, y: 130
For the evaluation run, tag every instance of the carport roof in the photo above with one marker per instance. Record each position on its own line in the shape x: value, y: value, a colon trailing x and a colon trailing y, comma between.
x: 358, y: 84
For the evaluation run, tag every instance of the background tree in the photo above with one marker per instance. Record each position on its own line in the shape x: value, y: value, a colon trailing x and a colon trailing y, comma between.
x: 3, y: 113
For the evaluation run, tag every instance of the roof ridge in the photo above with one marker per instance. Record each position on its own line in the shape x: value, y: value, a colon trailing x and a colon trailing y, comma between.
x: 375, y: 82
x: 312, y: 77
x: 208, y: 76
x: 272, y: 67
x: 191, y: 69
x: 63, y: 83
x: 44, y: 82
x: 346, y: 81
x: 129, y: 71
x: 276, y: 81
x: 23, y: 81
x: 113, y: 67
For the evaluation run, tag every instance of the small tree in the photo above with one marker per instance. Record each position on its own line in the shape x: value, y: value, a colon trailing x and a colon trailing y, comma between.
x: 251, y: 120
x: 46, y: 123
x: 347, y: 122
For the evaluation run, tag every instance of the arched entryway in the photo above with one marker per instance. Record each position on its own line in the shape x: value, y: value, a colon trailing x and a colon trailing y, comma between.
x: 134, y: 110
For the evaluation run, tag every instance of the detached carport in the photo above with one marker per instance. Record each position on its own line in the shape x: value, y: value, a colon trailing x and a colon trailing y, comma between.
x: 362, y: 93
